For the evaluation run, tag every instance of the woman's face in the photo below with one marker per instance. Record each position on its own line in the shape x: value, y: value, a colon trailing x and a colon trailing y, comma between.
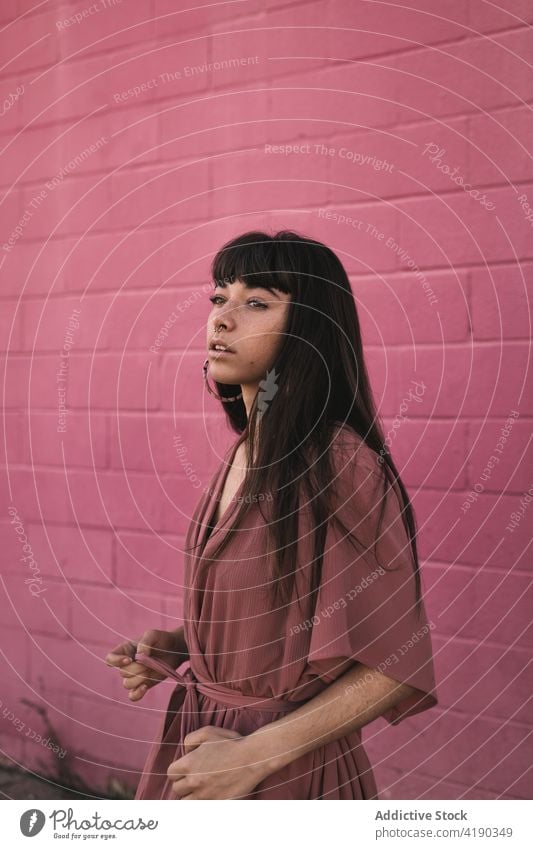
x: 251, y: 323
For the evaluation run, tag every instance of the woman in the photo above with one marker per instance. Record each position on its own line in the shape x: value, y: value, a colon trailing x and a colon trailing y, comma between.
x: 303, y: 613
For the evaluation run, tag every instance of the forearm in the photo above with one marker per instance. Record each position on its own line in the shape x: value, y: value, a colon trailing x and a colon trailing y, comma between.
x: 351, y: 701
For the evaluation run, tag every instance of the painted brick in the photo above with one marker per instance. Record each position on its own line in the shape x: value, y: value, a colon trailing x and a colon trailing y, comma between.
x: 501, y: 457
x: 121, y: 736
x: 361, y: 94
x: 131, y: 136
x: 128, y: 380
x: 428, y: 453
x: 41, y: 151
x: 210, y: 125
x: 158, y: 442
x: 177, y: 193
x: 73, y: 666
x: 358, y: 234
x: 500, y: 146
x: 11, y: 213
x: 413, y: 307
x: 45, y: 613
x: 263, y: 172
x: 483, y: 605
x: 394, y: 784
x: 34, y: 268
x: 14, y: 436
x: 480, y: 672
x: 467, y: 231
x: 117, y: 499
x: 37, y: 494
x: 469, y: 75
x: 114, y: 261
x: 72, y: 206
x: 393, y: 164
x: 501, y: 299
x: 83, y: 443
x: 475, y: 381
x: 193, y: 21
x: 130, y: 232
x: 182, y: 384
x: 82, y: 85
x: 505, y: 15
x: 64, y: 553
x: 11, y: 326
x: 9, y: 10
x: 478, y: 752
x: 32, y: 31
x: 476, y: 537
x: 17, y: 656
x: 153, y: 564
x: 108, y: 29
x: 110, y: 616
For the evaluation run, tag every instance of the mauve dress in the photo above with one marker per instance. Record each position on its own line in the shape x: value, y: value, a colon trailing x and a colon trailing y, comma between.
x: 250, y: 664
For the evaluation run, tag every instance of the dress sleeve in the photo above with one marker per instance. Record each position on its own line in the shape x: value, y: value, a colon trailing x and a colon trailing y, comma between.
x: 365, y: 609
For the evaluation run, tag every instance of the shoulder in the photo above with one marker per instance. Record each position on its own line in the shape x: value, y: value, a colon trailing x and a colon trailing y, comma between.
x: 359, y: 477
x: 368, y: 495
x: 349, y: 452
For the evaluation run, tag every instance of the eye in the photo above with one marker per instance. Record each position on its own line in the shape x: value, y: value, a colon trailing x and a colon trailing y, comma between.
x: 215, y: 299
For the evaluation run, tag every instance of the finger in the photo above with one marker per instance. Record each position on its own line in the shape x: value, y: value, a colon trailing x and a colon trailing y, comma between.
x: 137, y: 681
x: 121, y: 654
x: 227, y: 734
x: 131, y: 669
x: 114, y: 659
x: 177, y: 771
x: 195, y: 738
x: 142, y: 677
x: 185, y: 796
x: 210, y: 732
x: 180, y: 784
x: 138, y: 670
x: 138, y: 693
x: 190, y: 747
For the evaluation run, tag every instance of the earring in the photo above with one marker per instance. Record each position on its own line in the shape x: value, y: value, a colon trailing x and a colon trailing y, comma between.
x: 214, y: 394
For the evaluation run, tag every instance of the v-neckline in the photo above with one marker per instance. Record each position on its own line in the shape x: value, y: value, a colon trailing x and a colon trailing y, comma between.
x: 231, y: 506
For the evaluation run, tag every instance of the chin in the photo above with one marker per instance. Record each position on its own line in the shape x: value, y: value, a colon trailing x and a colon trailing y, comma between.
x: 223, y: 369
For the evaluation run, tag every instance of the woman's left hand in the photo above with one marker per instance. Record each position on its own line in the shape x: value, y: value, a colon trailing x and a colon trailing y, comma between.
x: 217, y: 765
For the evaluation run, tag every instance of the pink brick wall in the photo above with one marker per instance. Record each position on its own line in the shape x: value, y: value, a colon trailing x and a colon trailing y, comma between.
x: 124, y: 232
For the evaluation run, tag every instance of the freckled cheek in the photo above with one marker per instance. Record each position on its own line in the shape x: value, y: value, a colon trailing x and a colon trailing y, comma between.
x: 261, y: 344
x: 261, y: 354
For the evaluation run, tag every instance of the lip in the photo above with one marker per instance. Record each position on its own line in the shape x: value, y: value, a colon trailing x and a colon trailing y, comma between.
x: 213, y: 353
x: 215, y: 341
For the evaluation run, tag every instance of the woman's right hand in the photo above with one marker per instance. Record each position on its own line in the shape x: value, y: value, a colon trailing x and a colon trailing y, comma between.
x: 138, y: 679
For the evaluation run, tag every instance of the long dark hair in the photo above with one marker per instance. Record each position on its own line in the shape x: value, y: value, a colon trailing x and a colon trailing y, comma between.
x: 323, y: 381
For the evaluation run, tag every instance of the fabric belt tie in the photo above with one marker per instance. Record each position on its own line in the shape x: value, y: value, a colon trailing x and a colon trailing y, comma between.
x: 222, y: 695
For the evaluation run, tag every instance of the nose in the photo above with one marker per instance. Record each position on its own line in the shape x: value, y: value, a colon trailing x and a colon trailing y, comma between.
x: 226, y: 316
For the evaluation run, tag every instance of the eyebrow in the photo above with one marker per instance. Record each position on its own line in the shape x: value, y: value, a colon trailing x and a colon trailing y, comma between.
x: 223, y: 285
